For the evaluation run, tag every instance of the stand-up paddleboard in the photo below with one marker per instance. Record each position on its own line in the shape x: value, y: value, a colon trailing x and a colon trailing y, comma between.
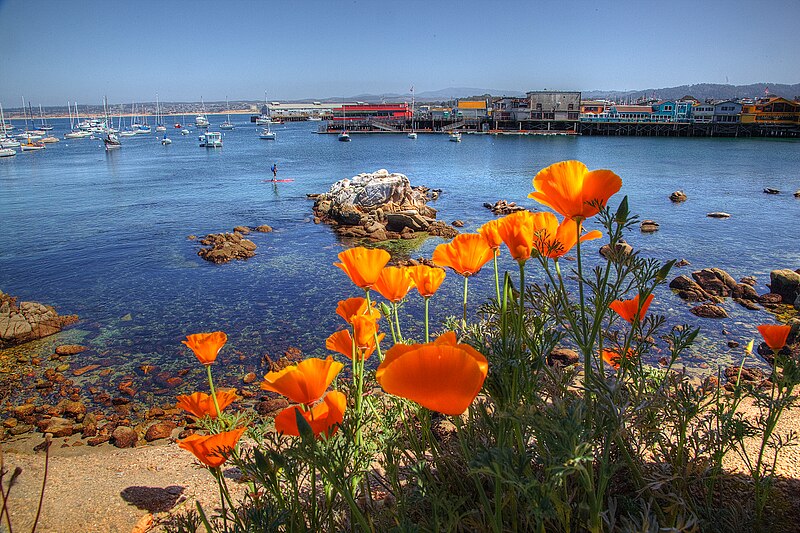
x: 275, y: 181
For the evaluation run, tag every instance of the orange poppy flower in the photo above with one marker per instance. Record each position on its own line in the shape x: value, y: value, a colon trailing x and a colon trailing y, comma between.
x: 352, y: 307
x: 554, y: 240
x: 212, y: 450
x: 628, y: 309
x: 206, y: 346
x: 324, y: 417
x: 394, y: 283
x: 363, y: 265
x: 201, y: 404
x: 613, y: 358
x: 775, y: 336
x: 490, y: 232
x: 570, y: 188
x: 427, y: 279
x: 304, y: 382
x: 466, y: 254
x: 443, y: 376
x: 516, y: 231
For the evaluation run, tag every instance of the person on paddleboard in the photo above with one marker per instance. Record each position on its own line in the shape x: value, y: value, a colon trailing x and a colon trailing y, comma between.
x: 274, y: 171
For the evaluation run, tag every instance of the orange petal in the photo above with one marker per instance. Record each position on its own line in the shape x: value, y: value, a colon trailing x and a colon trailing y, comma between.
x: 466, y: 254
x: 351, y: 307
x: 212, y: 450
x: 571, y: 189
x: 441, y: 377
x: 775, y: 336
x: 427, y: 279
x: 206, y: 346
x: 516, y: 230
x: 394, y: 283
x: 628, y: 309
x: 490, y: 232
x: 363, y: 265
x: 323, y: 417
x: 304, y: 382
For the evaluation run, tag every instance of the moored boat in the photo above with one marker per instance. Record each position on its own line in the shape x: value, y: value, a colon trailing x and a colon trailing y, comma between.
x: 50, y: 139
x: 344, y: 136
x: 211, y: 139
x: 268, y: 134
x: 111, y: 141
x: 455, y: 137
x: 412, y: 135
x: 31, y: 146
x: 7, y: 152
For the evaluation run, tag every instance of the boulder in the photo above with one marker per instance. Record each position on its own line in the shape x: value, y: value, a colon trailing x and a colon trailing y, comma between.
x: 769, y: 190
x: 797, y: 193
x: 786, y: 283
x: 562, y: 357
x: 797, y: 302
x: 709, y: 310
x: 649, y: 226
x: 27, y: 321
x: 718, y: 214
x: 458, y: 223
x: 159, y: 430
x: 59, y: 427
x: 263, y: 228
x: 244, y: 230
x: 622, y: 248
x: 503, y: 207
x: 715, y: 281
x: 688, y: 289
x: 678, y: 196
x: 70, y: 349
x: 377, y: 206
x: 124, y: 437
x: 223, y: 247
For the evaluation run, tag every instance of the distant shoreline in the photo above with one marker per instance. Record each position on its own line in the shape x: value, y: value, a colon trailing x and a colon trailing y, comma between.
x: 38, y: 118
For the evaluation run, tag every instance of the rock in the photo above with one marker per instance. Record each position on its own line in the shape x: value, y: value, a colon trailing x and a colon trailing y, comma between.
x: 84, y: 369
x: 744, y: 291
x: 22, y: 411
x: 718, y: 214
x: 20, y: 429
x: 263, y: 228
x: 59, y: 427
x: 682, y: 263
x: 770, y: 299
x: 678, y: 196
x: 747, y: 304
x: 503, y: 207
x: 98, y: 440
x: 733, y: 344
x: 159, y: 430
x: 28, y: 321
x: 748, y: 280
x: 192, y: 237
x: 458, y: 223
x: 748, y: 375
x: 438, y: 228
x: 70, y: 349
x: 124, y: 437
x: 406, y: 219
x: 250, y: 377
x: 649, y: 226
x: 74, y: 409
x: 769, y: 190
x: 89, y: 425
x: 269, y: 407
x: 622, y: 248
x: 244, y: 230
x: 715, y: 281
x: 224, y: 247
x: 688, y: 289
x: 797, y: 302
x: 708, y: 310
x: 786, y: 283
x: 562, y: 357
x: 797, y: 193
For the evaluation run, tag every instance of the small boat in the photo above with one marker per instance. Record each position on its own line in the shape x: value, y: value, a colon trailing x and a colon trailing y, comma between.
x: 315, y: 118
x: 201, y: 121
x: 142, y: 129
x: 111, y: 141
x: 50, y: 139
x: 227, y: 125
x: 159, y: 117
x: 455, y: 137
x: 211, y: 139
x: 184, y: 131
x: 127, y: 133
x: 8, y: 142
x: 29, y: 136
x: 7, y: 152
x: 78, y: 134
x: 344, y: 136
x: 268, y: 134
x: 31, y: 146
x: 161, y: 128
x: 412, y: 135
x: 166, y: 140
x: 178, y: 126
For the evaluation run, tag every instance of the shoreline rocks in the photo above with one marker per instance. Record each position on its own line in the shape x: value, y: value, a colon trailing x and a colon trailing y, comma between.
x: 649, y: 226
x: 678, y: 196
x: 223, y: 247
x: 503, y: 207
x: 27, y: 321
x: 379, y: 206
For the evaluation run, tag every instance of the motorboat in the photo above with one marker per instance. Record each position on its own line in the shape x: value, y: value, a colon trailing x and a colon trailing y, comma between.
x: 80, y: 134
x: 344, y: 136
x: 185, y: 131
x: 8, y: 142
x: 268, y: 134
x: 315, y: 118
x: 178, y: 126
x: 161, y: 128
x: 111, y: 141
x: 455, y: 137
x: 201, y: 121
x: 166, y: 140
x: 127, y: 133
x: 7, y: 152
x: 50, y: 139
x: 31, y: 146
x: 412, y: 135
x: 211, y: 139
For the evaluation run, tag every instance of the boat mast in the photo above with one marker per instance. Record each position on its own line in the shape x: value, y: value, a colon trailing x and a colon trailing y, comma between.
x: 3, y: 121
x: 25, y: 112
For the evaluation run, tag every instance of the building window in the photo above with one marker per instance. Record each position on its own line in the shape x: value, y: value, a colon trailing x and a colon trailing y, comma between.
x: 570, y: 107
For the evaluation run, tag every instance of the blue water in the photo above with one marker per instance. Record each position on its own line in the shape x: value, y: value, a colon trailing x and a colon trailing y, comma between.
x: 104, y: 235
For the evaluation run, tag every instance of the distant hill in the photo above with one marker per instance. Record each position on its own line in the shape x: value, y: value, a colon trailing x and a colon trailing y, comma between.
x: 702, y: 91
x: 449, y: 93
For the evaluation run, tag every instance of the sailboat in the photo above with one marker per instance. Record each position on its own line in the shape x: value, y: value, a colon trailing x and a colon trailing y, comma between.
x: 110, y: 138
x: 159, y: 118
x: 75, y: 132
x: 200, y: 120
x: 227, y: 125
x: 412, y: 134
x: 267, y: 134
x: 44, y: 126
x: 344, y: 136
x: 6, y: 144
x: 166, y: 140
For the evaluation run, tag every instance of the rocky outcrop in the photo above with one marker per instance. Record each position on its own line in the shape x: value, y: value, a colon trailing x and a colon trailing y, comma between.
x: 649, y: 226
x: 28, y: 321
x: 770, y: 190
x: 379, y: 206
x: 622, y: 248
x: 718, y: 214
x: 503, y: 207
x: 223, y: 247
x: 714, y: 284
x: 678, y: 196
x: 786, y: 283
x: 797, y: 193
x: 709, y: 310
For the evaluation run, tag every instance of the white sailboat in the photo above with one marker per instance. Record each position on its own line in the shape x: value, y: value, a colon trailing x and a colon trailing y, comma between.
x: 75, y: 132
x: 227, y: 125
x: 200, y: 120
x: 344, y: 136
x: 267, y: 134
x: 6, y: 144
x: 159, y: 117
x: 44, y: 126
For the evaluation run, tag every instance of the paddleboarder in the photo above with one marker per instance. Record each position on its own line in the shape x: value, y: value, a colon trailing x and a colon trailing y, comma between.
x: 274, y: 171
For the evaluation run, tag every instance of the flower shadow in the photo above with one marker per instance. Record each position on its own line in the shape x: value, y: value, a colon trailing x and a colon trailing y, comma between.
x: 153, y: 499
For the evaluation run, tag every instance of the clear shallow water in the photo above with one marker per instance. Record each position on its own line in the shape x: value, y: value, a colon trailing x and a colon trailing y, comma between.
x: 103, y: 234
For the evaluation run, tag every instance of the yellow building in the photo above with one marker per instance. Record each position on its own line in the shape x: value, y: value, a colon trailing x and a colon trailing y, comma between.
x: 774, y: 110
x: 472, y: 108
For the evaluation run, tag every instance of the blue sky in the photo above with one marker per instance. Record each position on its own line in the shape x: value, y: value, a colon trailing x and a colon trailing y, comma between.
x: 59, y: 50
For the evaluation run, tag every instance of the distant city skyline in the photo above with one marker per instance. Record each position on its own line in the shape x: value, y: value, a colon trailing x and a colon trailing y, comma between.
x: 57, y: 51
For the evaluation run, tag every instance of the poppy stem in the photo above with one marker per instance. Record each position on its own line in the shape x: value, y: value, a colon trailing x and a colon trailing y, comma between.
x: 377, y: 342
x: 427, y: 336
x: 213, y: 393
x: 496, y: 279
x: 521, y: 298
x: 587, y: 350
x: 397, y: 321
x: 466, y: 279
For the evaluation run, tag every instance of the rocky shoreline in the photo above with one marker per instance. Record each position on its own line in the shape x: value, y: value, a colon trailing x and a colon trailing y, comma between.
x: 26, y: 321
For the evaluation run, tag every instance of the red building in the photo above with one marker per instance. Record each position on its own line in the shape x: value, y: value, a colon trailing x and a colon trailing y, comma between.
x: 371, y: 111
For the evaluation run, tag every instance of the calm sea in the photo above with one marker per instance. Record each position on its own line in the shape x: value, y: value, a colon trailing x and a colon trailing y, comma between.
x: 104, y: 235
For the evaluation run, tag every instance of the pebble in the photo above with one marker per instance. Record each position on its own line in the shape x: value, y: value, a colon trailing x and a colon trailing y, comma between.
x: 249, y: 377
x: 70, y: 349
x: 124, y: 437
x: 84, y: 369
